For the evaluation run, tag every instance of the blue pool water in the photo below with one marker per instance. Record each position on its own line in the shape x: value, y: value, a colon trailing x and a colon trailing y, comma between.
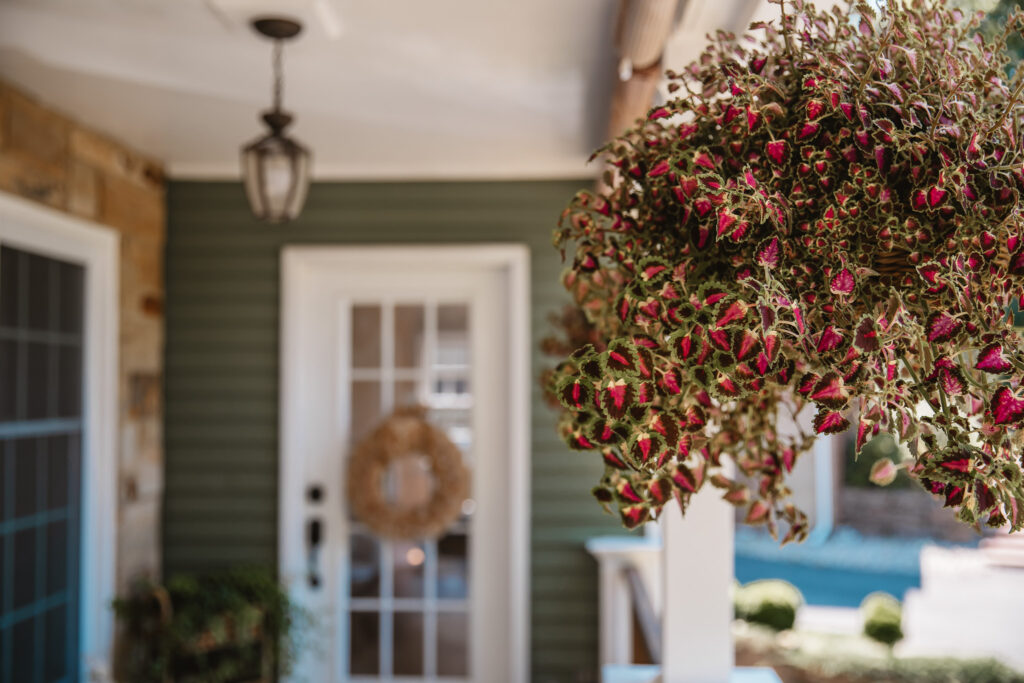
x: 840, y: 571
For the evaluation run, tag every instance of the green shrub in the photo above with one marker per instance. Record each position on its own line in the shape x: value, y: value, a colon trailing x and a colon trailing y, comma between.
x: 883, y: 617
x: 769, y: 602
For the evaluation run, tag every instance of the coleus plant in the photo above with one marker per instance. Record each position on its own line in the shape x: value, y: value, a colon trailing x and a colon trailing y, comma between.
x: 826, y: 213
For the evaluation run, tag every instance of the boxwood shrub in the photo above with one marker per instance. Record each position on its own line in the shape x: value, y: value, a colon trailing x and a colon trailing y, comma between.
x: 883, y: 617
x: 769, y: 602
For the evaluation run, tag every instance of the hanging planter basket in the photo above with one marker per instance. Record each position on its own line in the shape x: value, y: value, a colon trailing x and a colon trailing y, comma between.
x: 826, y: 216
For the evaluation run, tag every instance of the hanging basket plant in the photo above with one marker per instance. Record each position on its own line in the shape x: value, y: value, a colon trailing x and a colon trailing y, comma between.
x: 826, y: 213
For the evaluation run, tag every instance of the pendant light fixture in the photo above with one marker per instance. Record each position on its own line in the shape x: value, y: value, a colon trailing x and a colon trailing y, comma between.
x: 275, y: 167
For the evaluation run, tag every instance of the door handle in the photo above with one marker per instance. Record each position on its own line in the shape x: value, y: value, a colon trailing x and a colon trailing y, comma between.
x: 314, y: 542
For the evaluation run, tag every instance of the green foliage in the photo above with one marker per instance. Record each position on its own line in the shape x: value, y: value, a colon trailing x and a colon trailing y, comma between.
x: 214, y: 628
x: 858, y: 467
x: 883, y: 616
x: 912, y: 670
x: 827, y: 215
x: 769, y: 602
x: 832, y: 658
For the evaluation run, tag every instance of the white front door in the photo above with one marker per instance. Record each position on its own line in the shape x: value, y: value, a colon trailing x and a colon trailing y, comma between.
x: 366, y: 330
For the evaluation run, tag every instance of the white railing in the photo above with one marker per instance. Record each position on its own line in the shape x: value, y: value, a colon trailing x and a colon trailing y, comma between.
x: 687, y: 571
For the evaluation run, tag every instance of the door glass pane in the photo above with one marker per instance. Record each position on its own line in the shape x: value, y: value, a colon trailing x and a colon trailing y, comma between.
x: 55, y: 630
x: 452, y: 566
x: 407, y: 393
x: 364, y: 654
x: 6, y: 495
x: 10, y: 293
x: 409, y: 560
x: 456, y: 424
x: 23, y: 647
x: 69, y: 382
x: 365, y: 408
x: 40, y: 290
x: 37, y: 388
x: 57, y: 472
x: 366, y: 336
x: 364, y: 567
x: 24, y: 575
x: 71, y: 285
x: 41, y: 323
x: 452, y: 641
x: 453, y: 334
x: 408, y: 644
x: 56, y: 558
x: 26, y: 465
x: 409, y: 323
x: 8, y: 379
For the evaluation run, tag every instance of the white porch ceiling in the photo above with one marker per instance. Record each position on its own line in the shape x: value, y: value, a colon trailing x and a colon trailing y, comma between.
x: 396, y: 89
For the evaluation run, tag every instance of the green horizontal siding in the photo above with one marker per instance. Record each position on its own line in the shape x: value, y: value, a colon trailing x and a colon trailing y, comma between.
x: 222, y: 379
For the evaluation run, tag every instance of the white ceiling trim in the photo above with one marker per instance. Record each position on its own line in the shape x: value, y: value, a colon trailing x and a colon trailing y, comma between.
x: 569, y: 170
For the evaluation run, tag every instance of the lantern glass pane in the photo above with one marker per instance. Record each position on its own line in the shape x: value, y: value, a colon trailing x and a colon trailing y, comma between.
x: 276, y: 172
x: 301, y: 166
x: 278, y: 181
x: 251, y: 177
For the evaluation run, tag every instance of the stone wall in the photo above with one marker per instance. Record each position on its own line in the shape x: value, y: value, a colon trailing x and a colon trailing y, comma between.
x: 49, y: 158
x: 899, y: 512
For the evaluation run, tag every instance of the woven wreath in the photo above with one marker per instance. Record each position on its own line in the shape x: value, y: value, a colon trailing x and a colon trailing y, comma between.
x: 407, y: 432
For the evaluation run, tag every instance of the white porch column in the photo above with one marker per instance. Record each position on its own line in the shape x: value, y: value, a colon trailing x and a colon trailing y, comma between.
x: 698, y: 573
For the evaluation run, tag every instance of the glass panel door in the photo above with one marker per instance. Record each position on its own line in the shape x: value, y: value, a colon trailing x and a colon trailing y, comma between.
x: 408, y: 601
x: 41, y: 329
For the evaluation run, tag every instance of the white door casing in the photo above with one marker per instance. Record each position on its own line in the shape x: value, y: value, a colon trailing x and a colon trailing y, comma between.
x: 31, y: 227
x: 319, y: 286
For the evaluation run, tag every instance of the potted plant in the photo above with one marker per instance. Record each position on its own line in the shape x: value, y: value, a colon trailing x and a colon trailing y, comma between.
x: 826, y: 212
x: 219, y: 626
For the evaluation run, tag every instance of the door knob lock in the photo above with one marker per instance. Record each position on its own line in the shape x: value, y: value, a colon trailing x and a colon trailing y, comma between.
x: 314, y: 542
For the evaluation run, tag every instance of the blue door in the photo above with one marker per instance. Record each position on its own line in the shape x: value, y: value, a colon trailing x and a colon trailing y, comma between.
x: 41, y: 332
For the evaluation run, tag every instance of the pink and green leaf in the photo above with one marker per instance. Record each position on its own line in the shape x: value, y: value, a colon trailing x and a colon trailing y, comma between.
x: 684, y: 479
x: 777, y: 151
x: 829, y: 339
x: 941, y: 327
x: 866, y: 336
x: 842, y: 283
x: 617, y: 398
x: 830, y: 391
x: 992, y: 359
x: 768, y: 253
x: 830, y: 422
x: 634, y: 515
x: 758, y: 513
x: 575, y: 393
x: 1006, y: 407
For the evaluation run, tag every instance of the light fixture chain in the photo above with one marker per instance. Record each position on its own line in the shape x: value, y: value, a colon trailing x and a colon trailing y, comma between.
x: 278, y: 77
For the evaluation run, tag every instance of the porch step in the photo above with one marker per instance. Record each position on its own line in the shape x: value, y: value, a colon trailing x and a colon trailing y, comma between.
x: 965, y: 586
x: 1004, y: 550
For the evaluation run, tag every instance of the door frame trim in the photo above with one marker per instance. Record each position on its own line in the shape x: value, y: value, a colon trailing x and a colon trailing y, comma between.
x: 514, y: 260
x: 38, y: 228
